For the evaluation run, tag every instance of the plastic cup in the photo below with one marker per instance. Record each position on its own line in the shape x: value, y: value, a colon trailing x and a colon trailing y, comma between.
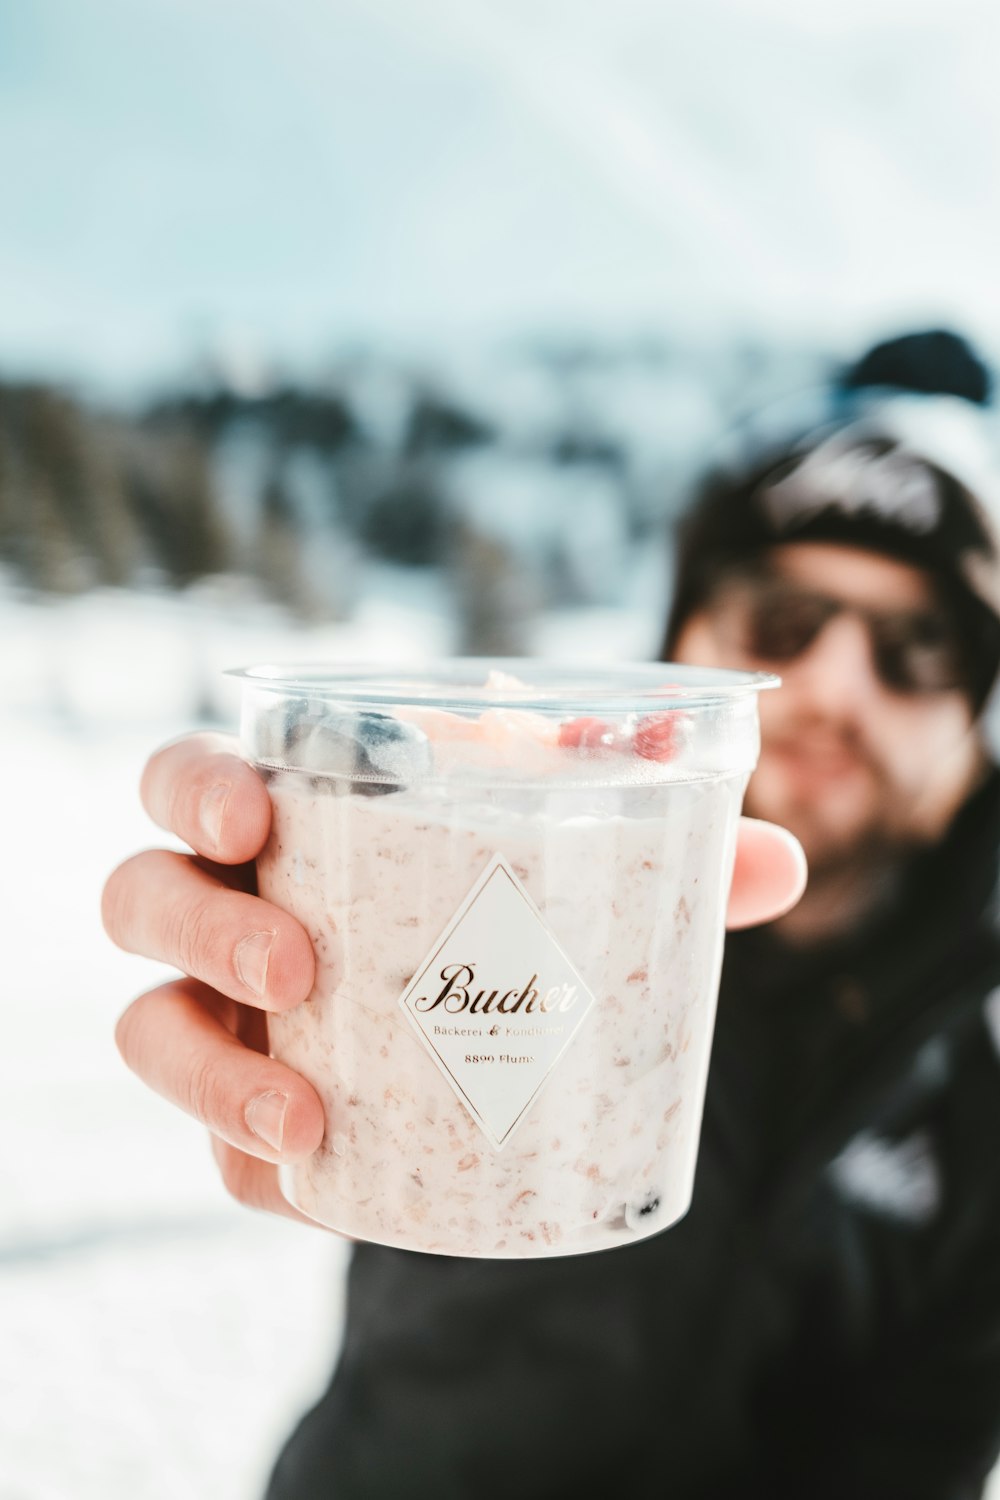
x: 516, y: 893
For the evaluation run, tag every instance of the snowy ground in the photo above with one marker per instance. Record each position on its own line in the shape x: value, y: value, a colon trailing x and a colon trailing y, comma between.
x: 157, y: 1340
x: 171, y: 1335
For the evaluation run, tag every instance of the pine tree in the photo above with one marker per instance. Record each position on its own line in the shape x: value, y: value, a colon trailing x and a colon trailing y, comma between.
x: 279, y: 565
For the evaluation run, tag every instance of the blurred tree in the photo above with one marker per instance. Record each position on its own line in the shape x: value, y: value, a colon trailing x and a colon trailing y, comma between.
x: 438, y: 425
x: 54, y: 478
x: 52, y: 562
x: 408, y: 522
x: 496, y: 598
x: 279, y: 555
x: 313, y: 419
x: 170, y: 484
x: 316, y: 419
x: 61, y: 492
x: 112, y: 524
x: 589, y: 448
x: 11, y: 528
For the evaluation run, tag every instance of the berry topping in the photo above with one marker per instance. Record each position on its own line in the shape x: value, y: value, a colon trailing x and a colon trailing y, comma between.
x: 376, y: 752
x: 438, y: 724
x: 503, y: 682
x: 586, y: 734
x: 657, y: 736
x: 516, y: 730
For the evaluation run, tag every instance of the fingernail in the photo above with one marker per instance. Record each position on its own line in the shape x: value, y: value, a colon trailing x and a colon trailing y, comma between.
x: 265, y: 1116
x: 251, y: 957
x: 213, y: 810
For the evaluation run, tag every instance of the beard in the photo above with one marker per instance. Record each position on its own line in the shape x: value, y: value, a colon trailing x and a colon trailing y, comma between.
x: 860, y: 817
x: 838, y: 799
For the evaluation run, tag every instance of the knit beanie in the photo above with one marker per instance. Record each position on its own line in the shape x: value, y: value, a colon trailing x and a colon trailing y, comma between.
x: 902, y: 467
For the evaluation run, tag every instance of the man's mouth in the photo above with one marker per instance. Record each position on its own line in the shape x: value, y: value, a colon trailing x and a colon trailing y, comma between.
x: 820, y: 757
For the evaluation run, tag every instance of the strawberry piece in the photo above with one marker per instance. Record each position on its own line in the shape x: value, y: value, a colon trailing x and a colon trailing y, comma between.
x: 438, y: 724
x: 657, y: 736
x: 513, y: 726
x: 585, y: 734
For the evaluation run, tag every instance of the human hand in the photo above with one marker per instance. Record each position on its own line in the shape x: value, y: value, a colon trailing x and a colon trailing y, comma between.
x: 201, y: 1040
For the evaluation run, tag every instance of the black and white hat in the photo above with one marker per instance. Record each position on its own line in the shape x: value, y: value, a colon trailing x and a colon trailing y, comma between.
x: 910, y: 474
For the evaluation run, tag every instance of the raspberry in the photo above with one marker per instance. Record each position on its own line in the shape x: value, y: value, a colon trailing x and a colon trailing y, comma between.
x: 657, y: 736
x: 585, y: 734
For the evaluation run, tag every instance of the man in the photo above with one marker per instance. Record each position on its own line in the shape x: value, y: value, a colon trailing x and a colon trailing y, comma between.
x: 826, y: 1320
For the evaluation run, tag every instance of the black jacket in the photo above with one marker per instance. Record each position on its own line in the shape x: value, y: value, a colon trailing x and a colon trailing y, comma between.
x: 823, y: 1325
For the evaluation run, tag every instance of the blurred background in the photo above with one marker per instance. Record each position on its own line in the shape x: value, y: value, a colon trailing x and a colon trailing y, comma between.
x: 367, y: 330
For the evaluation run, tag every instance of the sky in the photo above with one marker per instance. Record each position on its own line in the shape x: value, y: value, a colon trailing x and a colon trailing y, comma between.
x: 268, y: 181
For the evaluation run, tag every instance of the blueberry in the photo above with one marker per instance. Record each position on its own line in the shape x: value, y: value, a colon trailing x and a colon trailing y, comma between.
x: 382, y: 729
x: 377, y: 753
x: 273, y: 730
x: 640, y: 1213
x: 392, y: 748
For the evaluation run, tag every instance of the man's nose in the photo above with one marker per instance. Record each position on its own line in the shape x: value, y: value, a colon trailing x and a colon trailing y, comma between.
x: 838, y: 669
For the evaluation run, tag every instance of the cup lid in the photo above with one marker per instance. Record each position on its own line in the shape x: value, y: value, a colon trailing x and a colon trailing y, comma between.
x: 476, y: 683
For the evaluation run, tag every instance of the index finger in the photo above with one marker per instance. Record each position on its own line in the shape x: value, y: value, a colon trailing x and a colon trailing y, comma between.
x: 200, y: 789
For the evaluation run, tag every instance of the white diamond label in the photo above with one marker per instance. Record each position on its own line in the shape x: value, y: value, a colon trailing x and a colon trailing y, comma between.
x: 497, y: 1002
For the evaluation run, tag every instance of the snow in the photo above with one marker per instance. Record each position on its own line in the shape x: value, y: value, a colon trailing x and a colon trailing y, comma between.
x: 177, y: 1360
x: 175, y: 1335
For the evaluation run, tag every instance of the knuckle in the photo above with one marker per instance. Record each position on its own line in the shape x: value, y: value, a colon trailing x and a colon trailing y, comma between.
x: 117, y: 902
x: 156, y: 783
x: 125, y: 1035
x: 191, y: 791
x: 135, y: 1035
x: 167, y: 779
x: 174, y: 798
x: 193, y: 935
x: 203, y: 1090
x: 246, y: 820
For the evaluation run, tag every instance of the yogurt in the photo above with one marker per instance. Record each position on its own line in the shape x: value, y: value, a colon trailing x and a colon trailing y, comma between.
x: 518, y: 919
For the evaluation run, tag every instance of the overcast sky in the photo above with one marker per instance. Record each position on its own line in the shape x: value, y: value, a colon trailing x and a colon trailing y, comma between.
x: 274, y: 178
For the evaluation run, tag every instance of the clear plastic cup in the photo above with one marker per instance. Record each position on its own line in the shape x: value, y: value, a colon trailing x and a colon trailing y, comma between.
x: 516, y: 891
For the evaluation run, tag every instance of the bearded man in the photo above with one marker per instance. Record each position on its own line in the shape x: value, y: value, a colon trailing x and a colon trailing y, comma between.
x: 825, y: 1323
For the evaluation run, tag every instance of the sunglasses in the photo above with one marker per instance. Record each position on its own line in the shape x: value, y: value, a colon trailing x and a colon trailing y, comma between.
x: 774, y: 621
